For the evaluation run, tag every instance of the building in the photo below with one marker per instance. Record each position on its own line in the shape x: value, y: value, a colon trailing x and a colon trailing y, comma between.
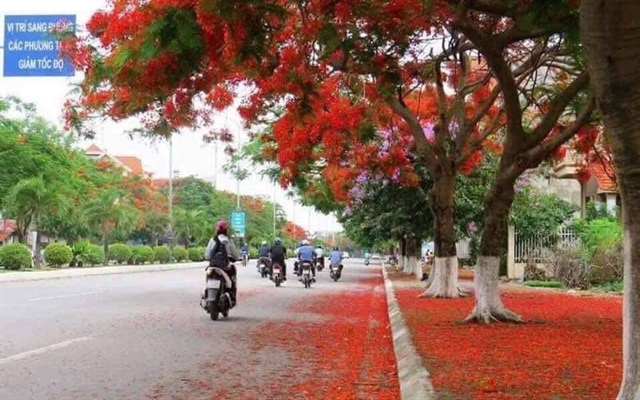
x: 600, y: 186
x: 131, y: 165
x: 8, y: 231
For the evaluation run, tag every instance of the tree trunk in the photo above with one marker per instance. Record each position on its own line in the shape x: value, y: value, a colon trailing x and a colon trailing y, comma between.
x: 610, y: 32
x: 412, y: 261
x: 488, y: 305
x: 445, y: 272
x: 401, y: 260
x: 105, y: 247
x: 37, y: 258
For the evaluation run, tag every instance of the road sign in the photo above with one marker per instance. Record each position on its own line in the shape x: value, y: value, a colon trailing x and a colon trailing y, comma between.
x: 238, y: 222
x: 31, y: 47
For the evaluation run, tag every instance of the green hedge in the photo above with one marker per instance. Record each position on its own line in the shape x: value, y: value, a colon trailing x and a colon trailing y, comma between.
x: 196, y: 254
x: 545, y: 284
x: 162, y: 254
x: 180, y: 254
x: 15, y: 256
x: 142, y: 255
x: 58, y: 254
x: 120, y: 253
x: 94, y: 255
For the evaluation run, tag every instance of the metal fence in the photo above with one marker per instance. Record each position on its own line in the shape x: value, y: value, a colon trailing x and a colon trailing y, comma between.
x: 537, y: 248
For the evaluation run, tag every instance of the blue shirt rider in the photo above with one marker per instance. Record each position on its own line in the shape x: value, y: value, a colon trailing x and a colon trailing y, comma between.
x: 244, y: 249
x: 263, y: 251
x: 335, y: 256
x: 307, y: 253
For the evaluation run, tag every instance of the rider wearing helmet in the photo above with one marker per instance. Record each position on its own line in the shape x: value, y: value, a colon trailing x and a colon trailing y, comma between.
x: 335, y: 257
x: 221, y: 238
x: 263, y: 254
x: 306, y: 253
x: 278, y: 255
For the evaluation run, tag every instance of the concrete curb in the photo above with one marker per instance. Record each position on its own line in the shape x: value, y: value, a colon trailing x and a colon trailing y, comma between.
x: 92, y: 271
x: 412, y: 375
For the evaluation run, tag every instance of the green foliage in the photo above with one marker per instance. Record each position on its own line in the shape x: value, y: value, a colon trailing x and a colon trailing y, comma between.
x: 616, y: 286
x: 120, y: 253
x: 142, y: 255
x: 545, y: 284
x: 86, y: 253
x: 534, y: 213
x: 110, y: 212
x: 180, y: 254
x: 594, y: 210
x: 196, y: 254
x: 58, y: 254
x: 162, y: 254
x: 15, y: 256
x: 599, y: 234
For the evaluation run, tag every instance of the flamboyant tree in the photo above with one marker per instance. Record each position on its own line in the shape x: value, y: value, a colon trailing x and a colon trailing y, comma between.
x: 348, y: 76
x: 610, y: 31
x: 544, y: 108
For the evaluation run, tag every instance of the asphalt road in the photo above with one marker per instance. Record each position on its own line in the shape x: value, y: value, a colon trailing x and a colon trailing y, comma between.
x: 135, y: 336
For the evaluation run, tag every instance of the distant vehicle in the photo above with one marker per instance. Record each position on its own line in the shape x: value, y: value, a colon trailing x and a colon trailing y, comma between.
x: 376, y: 257
x: 345, y: 255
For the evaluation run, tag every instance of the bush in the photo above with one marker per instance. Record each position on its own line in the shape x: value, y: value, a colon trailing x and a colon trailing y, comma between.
x: 196, y: 254
x: 546, y: 284
x: 58, y: 254
x: 15, y: 256
x: 93, y: 255
x: 162, y: 254
x: 599, y: 234
x: 607, y: 265
x: 180, y: 254
x: 616, y: 286
x: 142, y: 255
x: 569, y: 268
x: 120, y: 253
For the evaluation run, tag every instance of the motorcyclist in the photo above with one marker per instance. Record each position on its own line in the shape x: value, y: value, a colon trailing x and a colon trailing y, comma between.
x: 306, y: 253
x: 221, y: 238
x: 245, y: 250
x: 278, y: 255
x: 320, y: 255
x: 335, y: 258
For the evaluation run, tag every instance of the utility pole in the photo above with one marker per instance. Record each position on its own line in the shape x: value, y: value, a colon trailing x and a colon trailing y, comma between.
x: 215, y: 163
x: 238, y: 174
x: 171, y: 243
x: 274, y: 208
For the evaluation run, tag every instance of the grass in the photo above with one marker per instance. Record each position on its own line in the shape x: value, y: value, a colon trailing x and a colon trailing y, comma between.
x: 544, y: 284
x: 616, y: 286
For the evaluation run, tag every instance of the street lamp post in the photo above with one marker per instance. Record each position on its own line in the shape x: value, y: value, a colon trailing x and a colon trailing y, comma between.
x: 274, y: 209
x: 238, y: 174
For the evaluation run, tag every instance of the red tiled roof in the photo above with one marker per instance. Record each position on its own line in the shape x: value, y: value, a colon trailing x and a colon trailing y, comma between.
x: 132, y: 163
x: 605, y: 176
x: 93, y: 149
x: 7, y: 228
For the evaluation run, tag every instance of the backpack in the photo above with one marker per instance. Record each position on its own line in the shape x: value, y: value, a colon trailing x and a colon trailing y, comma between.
x: 220, y: 258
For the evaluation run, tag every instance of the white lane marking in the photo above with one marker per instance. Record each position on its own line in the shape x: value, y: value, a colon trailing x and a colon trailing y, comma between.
x: 21, y: 356
x: 63, y: 296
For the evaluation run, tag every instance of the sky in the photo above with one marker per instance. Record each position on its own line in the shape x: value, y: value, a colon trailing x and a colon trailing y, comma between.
x: 191, y: 156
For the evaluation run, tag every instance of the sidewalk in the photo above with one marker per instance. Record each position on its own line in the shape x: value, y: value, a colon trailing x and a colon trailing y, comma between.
x: 19, y: 276
x: 569, y: 347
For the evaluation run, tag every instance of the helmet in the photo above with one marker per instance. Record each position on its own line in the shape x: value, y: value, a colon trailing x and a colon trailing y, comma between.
x: 277, y: 241
x: 222, y: 225
x: 264, y: 242
x: 305, y: 242
x: 336, y: 248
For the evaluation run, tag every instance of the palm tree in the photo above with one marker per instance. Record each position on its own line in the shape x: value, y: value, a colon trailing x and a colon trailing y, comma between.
x: 156, y: 224
x: 108, y: 212
x: 29, y: 201
x: 187, y: 222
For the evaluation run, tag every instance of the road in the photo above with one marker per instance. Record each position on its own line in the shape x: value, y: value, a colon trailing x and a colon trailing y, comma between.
x: 140, y: 335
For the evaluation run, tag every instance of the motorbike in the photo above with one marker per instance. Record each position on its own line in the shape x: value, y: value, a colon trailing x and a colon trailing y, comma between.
x: 217, y: 297
x: 366, y: 261
x: 245, y: 260
x: 306, y: 274
x: 319, y: 264
x: 335, y: 272
x: 263, y: 267
x: 276, y: 274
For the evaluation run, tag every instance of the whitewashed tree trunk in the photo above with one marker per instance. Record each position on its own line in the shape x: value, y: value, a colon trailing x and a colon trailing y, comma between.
x: 445, y: 279
x: 489, y: 306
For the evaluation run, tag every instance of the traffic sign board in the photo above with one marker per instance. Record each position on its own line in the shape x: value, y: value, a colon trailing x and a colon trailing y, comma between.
x: 31, y: 47
x: 238, y: 222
